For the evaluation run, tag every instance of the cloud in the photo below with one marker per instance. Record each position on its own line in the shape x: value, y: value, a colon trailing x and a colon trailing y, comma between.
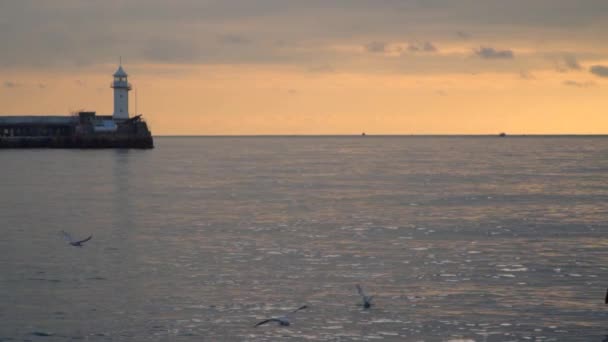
x: 422, y: 47
x: 571, y: 83
x: 323, y: 68
x: 66, y: 33
x: 568, y: 63
x: 12, y: 84
x: 599, y: 70
x: 572, y: 63
x: 376, y: 47
x: 169, y: 50
x: 526, y: 75
x: 463, y: 35
x: 233, y: 39
x: 492, y: 53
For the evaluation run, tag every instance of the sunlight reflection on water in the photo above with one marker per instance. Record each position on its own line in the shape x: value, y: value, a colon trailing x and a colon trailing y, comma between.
x: 461, y: 239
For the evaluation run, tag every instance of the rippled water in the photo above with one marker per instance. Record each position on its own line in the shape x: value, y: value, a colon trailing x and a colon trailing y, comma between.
x: 459, y: 239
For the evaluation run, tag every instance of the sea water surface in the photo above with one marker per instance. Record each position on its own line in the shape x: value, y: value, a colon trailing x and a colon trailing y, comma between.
x: 458, y: 239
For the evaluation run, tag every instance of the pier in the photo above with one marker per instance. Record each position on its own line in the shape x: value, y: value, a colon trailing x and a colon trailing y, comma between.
x: 82, y: 129
x: 86, y: 130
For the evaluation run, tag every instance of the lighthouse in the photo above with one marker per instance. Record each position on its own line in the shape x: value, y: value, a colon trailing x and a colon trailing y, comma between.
x: 121, y: 95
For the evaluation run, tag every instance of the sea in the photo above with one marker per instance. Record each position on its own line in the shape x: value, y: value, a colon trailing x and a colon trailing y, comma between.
x: 460, y: 239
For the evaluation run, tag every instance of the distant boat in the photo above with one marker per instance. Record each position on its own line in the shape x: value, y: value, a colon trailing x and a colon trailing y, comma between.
x: 363, y: 134
x: 502, y: 135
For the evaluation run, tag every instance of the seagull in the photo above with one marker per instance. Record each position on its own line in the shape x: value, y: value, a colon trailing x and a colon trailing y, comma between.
x: 367, y: 300
x: 71, y: 241
x: 283, y: 320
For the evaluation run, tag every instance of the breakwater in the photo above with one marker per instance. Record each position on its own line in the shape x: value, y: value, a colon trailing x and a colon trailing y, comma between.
x: 77, y: 142
x: 84, y: 130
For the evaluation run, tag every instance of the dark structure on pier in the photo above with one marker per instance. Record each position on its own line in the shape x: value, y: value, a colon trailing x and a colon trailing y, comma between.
x: 84, y: 130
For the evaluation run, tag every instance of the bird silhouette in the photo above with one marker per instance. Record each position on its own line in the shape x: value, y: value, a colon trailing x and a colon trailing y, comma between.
x: 78, y: 243
x: 367, y: 300
x: 282, y: 320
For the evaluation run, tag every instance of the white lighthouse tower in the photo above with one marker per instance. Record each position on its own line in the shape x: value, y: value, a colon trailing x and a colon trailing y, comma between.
x: 121, y: 95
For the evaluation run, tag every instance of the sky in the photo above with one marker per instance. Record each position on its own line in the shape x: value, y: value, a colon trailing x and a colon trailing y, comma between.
x: 207, y: 67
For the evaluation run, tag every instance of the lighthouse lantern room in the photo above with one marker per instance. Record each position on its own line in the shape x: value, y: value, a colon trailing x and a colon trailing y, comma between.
x: 121, y: 95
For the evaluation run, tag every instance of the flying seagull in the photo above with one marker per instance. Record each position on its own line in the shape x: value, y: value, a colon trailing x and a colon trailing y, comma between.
x: 367, y: 300
x: 283, y: 320
x: 71, y: 241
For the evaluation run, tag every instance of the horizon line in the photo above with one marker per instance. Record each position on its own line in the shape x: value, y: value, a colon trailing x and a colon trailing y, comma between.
x: 384, y: 135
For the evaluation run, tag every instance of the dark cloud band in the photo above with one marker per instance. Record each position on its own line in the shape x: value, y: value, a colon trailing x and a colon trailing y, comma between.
x: 599, y: 70
x: 492, y: 53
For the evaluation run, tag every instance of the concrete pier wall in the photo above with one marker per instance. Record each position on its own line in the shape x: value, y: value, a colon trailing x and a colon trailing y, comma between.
x: 77, y: 142
x: 72, y: 132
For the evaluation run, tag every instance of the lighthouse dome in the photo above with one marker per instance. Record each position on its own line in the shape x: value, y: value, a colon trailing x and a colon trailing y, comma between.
x: 120, y: 72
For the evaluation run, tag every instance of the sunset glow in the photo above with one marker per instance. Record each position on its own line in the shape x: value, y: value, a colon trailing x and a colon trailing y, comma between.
x: 315, y: 67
